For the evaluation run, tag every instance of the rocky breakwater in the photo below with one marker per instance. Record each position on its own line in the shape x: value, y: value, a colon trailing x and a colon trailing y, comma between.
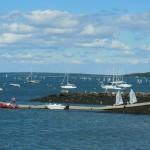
x: 91, y: 98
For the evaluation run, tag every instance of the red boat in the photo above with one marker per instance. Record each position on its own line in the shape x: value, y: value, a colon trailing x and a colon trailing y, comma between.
x: 7, y: 105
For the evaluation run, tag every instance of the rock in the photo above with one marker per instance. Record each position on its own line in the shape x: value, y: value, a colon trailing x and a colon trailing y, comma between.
x: 91, y: 98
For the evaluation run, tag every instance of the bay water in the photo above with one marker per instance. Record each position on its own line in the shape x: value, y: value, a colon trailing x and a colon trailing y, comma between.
x: 36, y: 129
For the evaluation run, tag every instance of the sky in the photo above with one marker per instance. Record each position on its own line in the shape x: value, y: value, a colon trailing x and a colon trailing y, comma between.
x: 81, y: 36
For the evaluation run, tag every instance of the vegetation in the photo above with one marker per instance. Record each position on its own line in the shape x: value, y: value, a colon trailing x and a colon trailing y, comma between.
x: 146, y: 74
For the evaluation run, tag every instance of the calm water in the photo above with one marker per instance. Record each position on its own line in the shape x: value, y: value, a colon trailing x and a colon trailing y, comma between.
x: 67, y: 130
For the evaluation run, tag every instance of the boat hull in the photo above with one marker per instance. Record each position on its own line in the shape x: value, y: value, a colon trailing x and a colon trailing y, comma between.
x: 7, y: 105
x: 56, y: 106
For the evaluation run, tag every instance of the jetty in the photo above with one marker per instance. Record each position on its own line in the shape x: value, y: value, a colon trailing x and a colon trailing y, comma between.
x: 105, y: 98
x: 138, y: 108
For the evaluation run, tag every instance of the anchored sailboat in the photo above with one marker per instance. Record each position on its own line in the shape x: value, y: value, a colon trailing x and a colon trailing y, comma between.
x: 30, y: 80
x: 119, y: 100
x: 67, y: 85
x: 133, y: 98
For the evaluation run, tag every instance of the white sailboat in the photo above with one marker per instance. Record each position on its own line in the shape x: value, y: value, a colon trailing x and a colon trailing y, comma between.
x: 117, y: 83
x: 30, y: 80
x: 67, y: 85
x: 110, y: 87
x: 133, y: 98
x: 119, y: 100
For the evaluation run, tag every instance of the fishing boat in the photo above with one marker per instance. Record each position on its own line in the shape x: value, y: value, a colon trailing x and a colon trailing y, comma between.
x: 119, y: 100
x: 67, y: 85
x: 30, y: 79
x: 133, y: 98
x: 56, y: 106
x: 8, y: 105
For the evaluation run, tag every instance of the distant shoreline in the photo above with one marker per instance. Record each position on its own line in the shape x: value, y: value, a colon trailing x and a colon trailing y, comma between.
x: 144, y: 74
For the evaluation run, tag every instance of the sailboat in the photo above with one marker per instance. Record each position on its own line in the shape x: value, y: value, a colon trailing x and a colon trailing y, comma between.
x: 68, y: 85
x: 119, y: 100
x: 30, y: 80
x: 133, y: 98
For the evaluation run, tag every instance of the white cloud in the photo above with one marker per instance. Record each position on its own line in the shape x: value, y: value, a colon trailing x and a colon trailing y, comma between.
x: 6, y: 55
x: 77, y: 62
x: 52, y: 36
x: 105, y: 43
x: 145, y: 48
x: 12, y: 38
x: 99, y: 30
x: 16, y: 28
x: 129, y: 53
x: 68, y: 54
x: 139, y: 61
x: 34, y: 62
x: 53, y: 18
x: 57, y: 31
x: 23, y: 56
x: 132, y: 22
x: 98, y: 61
x: 12, y: 16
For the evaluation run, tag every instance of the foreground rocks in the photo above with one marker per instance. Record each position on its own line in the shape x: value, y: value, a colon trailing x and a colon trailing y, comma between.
x: 91, y: 98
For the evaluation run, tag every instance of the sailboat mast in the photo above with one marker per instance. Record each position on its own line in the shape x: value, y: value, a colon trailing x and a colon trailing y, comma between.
x: 67, y: 77
x: 31, y: 75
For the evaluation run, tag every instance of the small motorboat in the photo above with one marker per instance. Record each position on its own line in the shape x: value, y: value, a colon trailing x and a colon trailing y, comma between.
x: 15, y: 85
x: 57, y: 106
x: 8, y: 105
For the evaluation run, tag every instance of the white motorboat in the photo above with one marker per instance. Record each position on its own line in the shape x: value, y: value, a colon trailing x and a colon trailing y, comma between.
x: 56, y: 106
x: 15, y: 85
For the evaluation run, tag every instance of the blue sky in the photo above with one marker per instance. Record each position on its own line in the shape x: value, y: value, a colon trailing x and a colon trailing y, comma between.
x: 81, y: 36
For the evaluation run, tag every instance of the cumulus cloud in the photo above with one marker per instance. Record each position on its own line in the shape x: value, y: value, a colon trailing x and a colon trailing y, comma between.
x: 16, y: 28
x: 105, y: 43
x: 90, y: 29
x: 12, y: 16
x: 132, y: 22
x: 86, y: 36
x: 52, y: 18
x: 12, y: 38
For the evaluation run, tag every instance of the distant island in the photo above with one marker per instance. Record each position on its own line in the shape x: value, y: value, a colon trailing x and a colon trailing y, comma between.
x: 146, y: 74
